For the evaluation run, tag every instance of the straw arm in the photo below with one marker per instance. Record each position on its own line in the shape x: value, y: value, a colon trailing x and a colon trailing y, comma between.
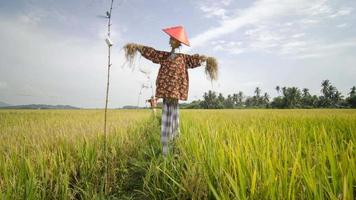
x: 211, y: 64
x: 203, y: 58
x: 147, y: 52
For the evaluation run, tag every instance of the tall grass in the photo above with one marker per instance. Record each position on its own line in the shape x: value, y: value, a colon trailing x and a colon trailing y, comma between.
x: 59, y: 154
x: 220, y: 154
x: 259, y: 154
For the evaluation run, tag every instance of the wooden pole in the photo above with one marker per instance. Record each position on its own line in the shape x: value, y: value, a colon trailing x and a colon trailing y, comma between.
x: 106, y: 102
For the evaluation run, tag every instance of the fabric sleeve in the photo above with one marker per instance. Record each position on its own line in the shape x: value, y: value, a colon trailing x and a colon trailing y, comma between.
x: 192, y: 61
x: 152, y: 54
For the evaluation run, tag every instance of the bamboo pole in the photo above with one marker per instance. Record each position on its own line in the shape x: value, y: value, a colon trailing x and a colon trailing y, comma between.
x: 106, y: 102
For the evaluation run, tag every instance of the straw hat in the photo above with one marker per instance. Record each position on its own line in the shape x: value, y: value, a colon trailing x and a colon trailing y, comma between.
x: 178, y: 33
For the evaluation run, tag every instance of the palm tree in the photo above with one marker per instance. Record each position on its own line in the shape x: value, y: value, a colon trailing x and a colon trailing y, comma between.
x: 240, y: 96
x: 278, y: 89
x: 325, y: 84
x: 235, y: 98
x: 337, y: 96
x: 257, y: 92
x: 353, y: 91
x: 265, y: 98
x: 294, y: 96
x: 305, y: 92
x: 284, y: 89
x: 351, y: 100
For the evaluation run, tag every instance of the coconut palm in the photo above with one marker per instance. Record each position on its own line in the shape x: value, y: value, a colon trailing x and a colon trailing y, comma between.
x: 306, y: 92
x: 265, y: 98
x: 278, y: 89
x: 325, y: 84
x: 353, y: 91
x: 240, y: 96
x: 257, y: 92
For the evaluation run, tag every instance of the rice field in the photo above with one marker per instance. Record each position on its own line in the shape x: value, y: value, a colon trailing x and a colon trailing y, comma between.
x: 220, y: 154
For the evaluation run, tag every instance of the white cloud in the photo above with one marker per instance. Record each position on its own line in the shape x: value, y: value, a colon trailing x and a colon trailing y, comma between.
x: 260, y: 11
x: 316, y: 49
x: 267, y: 30
x: 212, y: 8
x: 230, y: 46
x: 342, y: 12
x: 3, y: 85
x: 44, y: 66
x: 343, y: 25
x: 298, y: 35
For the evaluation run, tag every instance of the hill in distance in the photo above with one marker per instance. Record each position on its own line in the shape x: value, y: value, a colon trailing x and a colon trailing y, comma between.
x: 3, y: 104
x: 35, y: 106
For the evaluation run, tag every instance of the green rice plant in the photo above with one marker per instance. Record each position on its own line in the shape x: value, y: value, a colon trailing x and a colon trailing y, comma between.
x: 259, y: 154
x: 220, y: 154
x: 58, y: 154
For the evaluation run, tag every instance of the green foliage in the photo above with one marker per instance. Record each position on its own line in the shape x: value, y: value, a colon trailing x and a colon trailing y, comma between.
x: 351, y: 100
x: 291, y: 97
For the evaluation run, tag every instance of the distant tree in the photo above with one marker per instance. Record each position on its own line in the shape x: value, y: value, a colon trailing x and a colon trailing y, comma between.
x: 221, y: 101
x: 351, y: 100
x: 278, y: 102
x: 257, y: 100
x: 315, y: 101
x: 210, y: 100
x: 257, y: 92
x: 353, y: 91
x: 265, y: 98
x: 250, y: 101
x: 336, y: 98
x: 324, y: 100
x: 291, y: 98
x: 325, y: 84
x: 229, y: 102
x: 235, y: 99
x: 221, y: 98
x: 278, y: 89
x: 193, y: 105
x: 331, y: 97
x: 238, y: 98
x: 305, y: 92
x: 307, y: 100
x: 283, y: 90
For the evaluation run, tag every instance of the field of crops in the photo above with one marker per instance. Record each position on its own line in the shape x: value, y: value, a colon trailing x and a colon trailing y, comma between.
x: 220, y: 154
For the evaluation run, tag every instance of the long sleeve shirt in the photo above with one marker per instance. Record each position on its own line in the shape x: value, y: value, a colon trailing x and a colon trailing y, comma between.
x: 172, y: 80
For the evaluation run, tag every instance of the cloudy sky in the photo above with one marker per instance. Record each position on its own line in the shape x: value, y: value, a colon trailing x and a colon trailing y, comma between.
x: 53, y: 52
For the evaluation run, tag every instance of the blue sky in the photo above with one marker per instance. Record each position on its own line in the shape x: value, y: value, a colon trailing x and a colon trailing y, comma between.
x: 54, y: 52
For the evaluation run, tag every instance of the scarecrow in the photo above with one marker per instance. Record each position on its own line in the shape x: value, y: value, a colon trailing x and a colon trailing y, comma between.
x: 172, y: 82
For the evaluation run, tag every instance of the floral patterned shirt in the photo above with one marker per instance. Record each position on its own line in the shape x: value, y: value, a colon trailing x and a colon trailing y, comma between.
x: 172, y: 80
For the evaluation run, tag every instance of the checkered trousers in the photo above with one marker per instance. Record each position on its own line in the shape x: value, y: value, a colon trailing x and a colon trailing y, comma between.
x: 170, y: 123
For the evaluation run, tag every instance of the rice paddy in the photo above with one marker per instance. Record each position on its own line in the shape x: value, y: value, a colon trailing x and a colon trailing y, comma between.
x: 220, y: 154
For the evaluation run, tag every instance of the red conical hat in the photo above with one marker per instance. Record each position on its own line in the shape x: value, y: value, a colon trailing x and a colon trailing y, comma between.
x: 178, y: 33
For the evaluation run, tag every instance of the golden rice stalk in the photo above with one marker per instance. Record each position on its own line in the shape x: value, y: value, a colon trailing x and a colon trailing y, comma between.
x: 211, y: 68
x: 131, y: 50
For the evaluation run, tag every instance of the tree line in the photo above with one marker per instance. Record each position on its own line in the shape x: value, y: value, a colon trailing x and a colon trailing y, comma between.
x: 288, y: 97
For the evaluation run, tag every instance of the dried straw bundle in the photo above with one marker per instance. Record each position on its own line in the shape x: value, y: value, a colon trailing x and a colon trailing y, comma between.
x: 131, y: 50
x: 211, y: 68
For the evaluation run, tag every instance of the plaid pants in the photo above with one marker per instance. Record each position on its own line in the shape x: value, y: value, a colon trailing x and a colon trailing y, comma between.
x: 170, y: 123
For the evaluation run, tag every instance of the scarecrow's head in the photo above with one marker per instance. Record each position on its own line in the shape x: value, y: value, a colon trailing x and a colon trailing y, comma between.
x: 177, y: 36
x: 174, y: 43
